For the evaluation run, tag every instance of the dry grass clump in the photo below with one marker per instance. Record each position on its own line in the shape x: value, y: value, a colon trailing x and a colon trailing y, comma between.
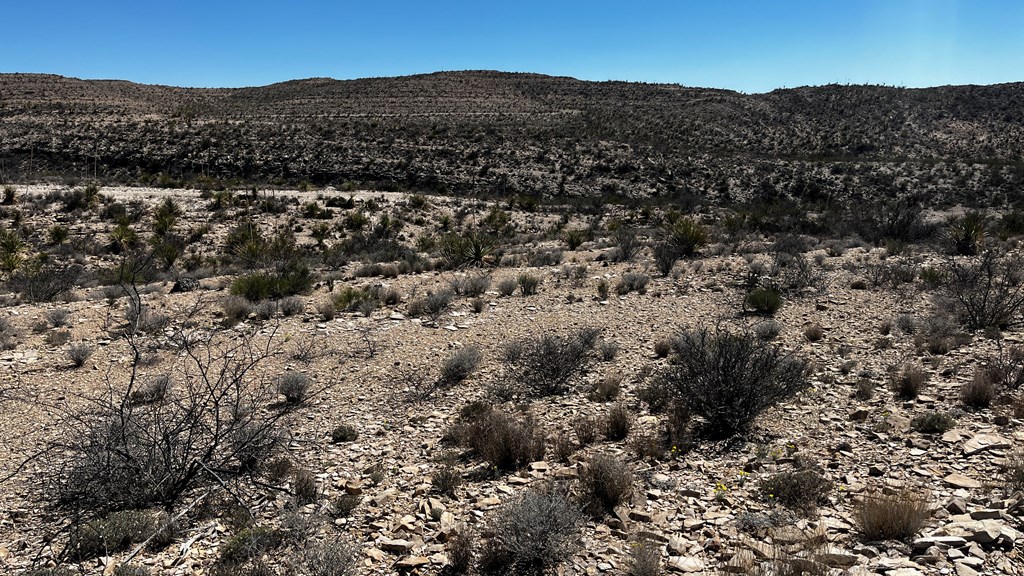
x: 294, y: 386
x: 328, y: 559
x: 548, y: 364
x: 618, y: 422
x: 607, y: 389
x: 933, y: 422
x: 891, y: 516
x: 605, y: 482
x: 908, y: 381
x: 79, y: 353
x: 505, y: 442
x: 980, y: 391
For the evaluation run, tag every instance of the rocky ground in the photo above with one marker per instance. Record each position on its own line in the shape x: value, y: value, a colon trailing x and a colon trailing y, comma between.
x: 699, y: 505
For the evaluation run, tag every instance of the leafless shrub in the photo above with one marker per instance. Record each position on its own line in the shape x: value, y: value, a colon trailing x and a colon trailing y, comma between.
x: 153, y: 391
x: 292, y: 306
x: 986, y: 291
x: 531, y: 534
x: 729, y: 379
x: 120, y: 454
x: 549, y: 364
x: 459, y: 366
x: 644, y: 558
x: 503, y: 441
x: 607, y: 389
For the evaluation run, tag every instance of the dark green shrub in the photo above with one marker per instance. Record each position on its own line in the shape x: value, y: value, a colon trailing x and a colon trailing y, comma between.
x: 290, y: 280
x: 728, y: 379
x: 344, y: 433
x: 112, y: 534
x: 250, y: 543
x: 932, y: 422
x: 800, y: 490
x: 763, y: 301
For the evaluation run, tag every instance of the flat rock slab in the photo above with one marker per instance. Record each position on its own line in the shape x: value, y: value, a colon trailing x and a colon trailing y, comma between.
x: 982, y: 442
x: 962, y: 481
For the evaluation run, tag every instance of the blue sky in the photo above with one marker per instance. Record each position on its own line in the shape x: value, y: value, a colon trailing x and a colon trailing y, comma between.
x: 747, y: 45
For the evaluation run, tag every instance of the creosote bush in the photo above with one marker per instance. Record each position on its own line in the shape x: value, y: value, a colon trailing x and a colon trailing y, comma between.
x: 891, y: 516
x: 531, y: 534
x: 728, y: 379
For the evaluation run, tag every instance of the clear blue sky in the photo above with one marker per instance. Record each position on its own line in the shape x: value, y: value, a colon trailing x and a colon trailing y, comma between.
x: 748, y: 45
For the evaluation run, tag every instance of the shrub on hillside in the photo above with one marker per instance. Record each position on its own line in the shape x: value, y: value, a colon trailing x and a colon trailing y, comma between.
x: 549, y: 364
x: 531, y: 534
x: 729, y: 379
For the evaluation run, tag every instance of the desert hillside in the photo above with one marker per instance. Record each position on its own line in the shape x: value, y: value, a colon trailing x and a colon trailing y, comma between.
x: 504, y: 134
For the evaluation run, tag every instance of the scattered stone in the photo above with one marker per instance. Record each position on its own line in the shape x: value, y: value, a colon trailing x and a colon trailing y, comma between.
x: 961, y: 481
x: 983, y: 442
x: 389, y: 545
x: 411, y: 563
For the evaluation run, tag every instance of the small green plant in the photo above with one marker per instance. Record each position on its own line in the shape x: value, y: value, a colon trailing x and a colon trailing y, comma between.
x: 528, y: 284
x: 763, y: 301
x: 344, y: 433
x: 933, y: 422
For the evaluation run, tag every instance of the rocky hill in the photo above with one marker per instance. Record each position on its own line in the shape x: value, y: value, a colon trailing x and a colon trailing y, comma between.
x: 492, y: 133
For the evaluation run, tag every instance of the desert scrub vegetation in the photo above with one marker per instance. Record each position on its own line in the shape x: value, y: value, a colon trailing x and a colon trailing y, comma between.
x: 117, y: 453
x: 605, y: 482
x: 986, y: 290
x: 891, y: 515
x: 506, y: 442
x: 729, y: 378
x: 548, y: 364
x: 801, y: 490
x: 531, y: 534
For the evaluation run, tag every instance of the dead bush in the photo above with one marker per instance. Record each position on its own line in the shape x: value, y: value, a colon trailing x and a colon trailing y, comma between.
x: 531, y: 534
x: 586, y: 429
x: 607, y: 389
x: 294, y: 386
x: 334, y: 558
x: 304, y: 486
x: 549, y: 364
